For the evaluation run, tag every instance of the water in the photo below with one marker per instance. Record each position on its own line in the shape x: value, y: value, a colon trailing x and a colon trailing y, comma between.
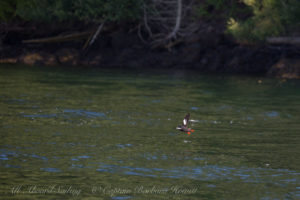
x: 110, y: 134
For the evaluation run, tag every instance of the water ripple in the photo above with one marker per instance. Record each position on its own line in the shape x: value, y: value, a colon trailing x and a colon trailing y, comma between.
x: 85, y: 113
x: 67, y: 113
x: 207, y: 173
x: 272, y: 114
x: 49, y: 169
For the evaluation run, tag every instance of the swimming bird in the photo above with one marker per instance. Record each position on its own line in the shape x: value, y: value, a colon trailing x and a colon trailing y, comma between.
x: 184, y: 126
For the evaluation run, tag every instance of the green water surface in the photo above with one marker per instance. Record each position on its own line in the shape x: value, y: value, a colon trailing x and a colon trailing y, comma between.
x: 110, y: 134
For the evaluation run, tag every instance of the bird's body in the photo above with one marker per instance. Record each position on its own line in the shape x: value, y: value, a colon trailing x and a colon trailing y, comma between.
x: 184, y: 126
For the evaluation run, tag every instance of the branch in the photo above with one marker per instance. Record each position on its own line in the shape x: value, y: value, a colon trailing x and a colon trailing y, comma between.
x: 178, y: 21
x: 91, y: 40
x: 146, y: 22
x: 140, y: 34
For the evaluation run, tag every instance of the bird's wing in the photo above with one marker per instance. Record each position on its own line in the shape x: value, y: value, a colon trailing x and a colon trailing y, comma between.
x: 186, y: 120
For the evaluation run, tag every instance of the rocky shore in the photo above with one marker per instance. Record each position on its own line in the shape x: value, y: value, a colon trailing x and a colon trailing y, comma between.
x: 209, y: 52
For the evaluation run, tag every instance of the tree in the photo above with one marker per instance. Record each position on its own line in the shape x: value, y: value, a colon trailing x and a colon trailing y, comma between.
x: 270, y: 18
x: 165, y: 21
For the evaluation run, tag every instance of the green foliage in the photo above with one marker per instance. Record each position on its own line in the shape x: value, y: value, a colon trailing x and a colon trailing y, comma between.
x: 248, y: 20
x: 270, y: 18
x: 6, y: 9
x: 216, y: 9
x: 61, y: 10
x: 112, y: 10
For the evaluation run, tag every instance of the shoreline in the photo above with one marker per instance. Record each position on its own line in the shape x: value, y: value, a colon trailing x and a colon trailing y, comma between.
x: 118, y: 48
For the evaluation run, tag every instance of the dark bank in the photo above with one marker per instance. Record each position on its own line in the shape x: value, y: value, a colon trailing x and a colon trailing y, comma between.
x: 235, y: 37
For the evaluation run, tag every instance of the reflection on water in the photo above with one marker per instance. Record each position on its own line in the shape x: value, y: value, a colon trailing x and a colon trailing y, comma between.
x: 111, y: 134
x: 67, y: 113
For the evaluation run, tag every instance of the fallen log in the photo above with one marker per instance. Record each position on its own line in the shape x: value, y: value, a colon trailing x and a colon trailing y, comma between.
x: 284, y: 40
x: 60, y: 38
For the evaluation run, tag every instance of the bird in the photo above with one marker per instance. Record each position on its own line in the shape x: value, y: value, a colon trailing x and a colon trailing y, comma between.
x: 184, y: 126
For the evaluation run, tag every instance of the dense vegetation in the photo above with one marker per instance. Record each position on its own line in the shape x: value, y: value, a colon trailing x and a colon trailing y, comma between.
x: 61, y: 10
x: 253, y: 21
x: 269, y: 18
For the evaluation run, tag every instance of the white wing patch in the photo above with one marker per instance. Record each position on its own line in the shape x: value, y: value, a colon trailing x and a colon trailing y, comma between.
x: 184, y: 122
